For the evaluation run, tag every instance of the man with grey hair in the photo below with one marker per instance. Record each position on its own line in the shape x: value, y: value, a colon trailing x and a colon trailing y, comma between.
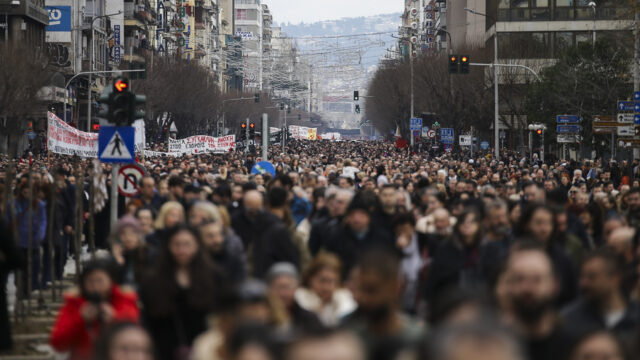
x: 283, y: 280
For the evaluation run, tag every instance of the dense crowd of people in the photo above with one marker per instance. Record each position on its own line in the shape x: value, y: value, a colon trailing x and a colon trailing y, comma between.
x: 351, y: 250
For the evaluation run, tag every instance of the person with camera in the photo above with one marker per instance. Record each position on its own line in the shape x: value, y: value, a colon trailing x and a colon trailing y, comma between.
x: 87, y: 312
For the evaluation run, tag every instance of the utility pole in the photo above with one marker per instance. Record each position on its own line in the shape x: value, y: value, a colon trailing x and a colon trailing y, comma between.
x: 412, y: 98
x: 266, y: 133
x: 636, y: 58
x: 246, y: 130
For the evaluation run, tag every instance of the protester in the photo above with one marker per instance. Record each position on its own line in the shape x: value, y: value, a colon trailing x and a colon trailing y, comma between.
x: 124, y: 341
x: 321, y: 291
x: 97, y: 304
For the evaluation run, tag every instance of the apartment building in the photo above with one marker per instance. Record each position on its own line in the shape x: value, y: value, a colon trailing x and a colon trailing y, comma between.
x: 249, y: 28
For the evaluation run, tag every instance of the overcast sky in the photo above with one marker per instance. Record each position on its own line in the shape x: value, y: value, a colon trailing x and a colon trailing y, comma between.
x: 296, y: 11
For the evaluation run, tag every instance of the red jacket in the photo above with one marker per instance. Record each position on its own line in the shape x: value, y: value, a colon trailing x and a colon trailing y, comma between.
x: 71, y: 333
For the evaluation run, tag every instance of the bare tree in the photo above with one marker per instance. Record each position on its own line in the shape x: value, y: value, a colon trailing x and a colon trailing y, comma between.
x: 23, y: 73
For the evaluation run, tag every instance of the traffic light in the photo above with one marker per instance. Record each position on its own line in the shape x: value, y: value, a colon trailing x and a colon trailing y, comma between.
x: 357, y: 109
x: 256, y: 98
x: 453, y: 64
x: 95, y: 126
x: 299, y: 117
x: 252, y: 131
x: 356, y: 95
x: 464, y: 64
x: 281, y: 106
x: 539, y: 131
x: 30, y: 126
x: 288, y: 109
x: 121, y: 102
x: 244, y: 126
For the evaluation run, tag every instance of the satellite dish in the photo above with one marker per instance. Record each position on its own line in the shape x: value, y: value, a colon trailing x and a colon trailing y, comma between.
x: 414, y: 25
x: 414, y: 39
x: 414, y: 12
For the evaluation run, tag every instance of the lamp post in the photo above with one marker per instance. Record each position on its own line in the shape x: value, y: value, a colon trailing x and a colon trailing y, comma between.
x: 91, y: 64
x: 592, y: 5
x: 496, y: 120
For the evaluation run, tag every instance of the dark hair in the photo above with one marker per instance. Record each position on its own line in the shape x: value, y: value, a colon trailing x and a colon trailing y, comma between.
x: 527, y: 214
x: 402, y: 219
x: 160, y: 288
x: 380, y: 261
x: 460, y: 220
x: 175, y: 181
x: 612, y: 261
x: 105, y: 265
x: 277, y: 197
x: 251, y: 334
x: 102, y: 349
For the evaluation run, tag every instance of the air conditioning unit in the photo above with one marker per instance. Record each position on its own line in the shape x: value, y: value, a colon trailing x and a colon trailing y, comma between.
x: 414, y: 12
x: 414, y: 39
x: 414, y: 25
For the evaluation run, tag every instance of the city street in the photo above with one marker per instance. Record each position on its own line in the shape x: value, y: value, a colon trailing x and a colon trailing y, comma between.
x: 328, y: 180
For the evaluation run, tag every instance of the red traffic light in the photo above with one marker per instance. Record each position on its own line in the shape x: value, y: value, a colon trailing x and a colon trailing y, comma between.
x: 95, y: 127
x: 244, y: 126
x: 464, y: 59
x: 539, y: 131
x: 454, y: 58
x: 252, y: 125
x: 120, y: 85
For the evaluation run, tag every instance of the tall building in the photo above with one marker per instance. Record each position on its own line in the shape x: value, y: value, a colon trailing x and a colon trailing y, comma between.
x: 23, y: 21
x: 249, y: 28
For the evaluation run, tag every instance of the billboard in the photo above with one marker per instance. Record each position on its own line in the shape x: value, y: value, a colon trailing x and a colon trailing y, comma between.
x: 59, y: 28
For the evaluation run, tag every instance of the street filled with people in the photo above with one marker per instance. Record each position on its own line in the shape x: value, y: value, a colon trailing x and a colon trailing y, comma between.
x: 352, y: 250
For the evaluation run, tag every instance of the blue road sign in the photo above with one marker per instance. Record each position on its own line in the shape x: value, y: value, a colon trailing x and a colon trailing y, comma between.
x: 264, y: 167
x: 416, y: 124
x: 565, y: 129
x: 484, y: 145
x: 625, y: 105
x: 636, y: 119
x: 568, y: 119
x: 448, y: 147
x: 636, y: 106
x: 636, y: 96
x: 116, y: 144
x: 447, y: 135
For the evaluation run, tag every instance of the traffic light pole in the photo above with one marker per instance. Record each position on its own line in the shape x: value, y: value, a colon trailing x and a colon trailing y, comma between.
x: 115, y: 168
x: 266, y: 133
x: 64, y: 105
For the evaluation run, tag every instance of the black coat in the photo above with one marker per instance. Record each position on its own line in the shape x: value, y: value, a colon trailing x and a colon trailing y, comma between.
x: 10, y: 259
x: 453, y: 265
x: 344, y: 243
x: 267, y: 241
x: 580, y: 318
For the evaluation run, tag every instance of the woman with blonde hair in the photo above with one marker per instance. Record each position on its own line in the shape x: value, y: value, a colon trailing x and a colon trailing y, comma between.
x: 171, y: 214
x: 203, y: 211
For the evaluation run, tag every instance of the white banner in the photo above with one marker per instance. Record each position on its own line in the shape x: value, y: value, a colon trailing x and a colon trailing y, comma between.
x: 140, y: 138
x: 67, y: 140
x: 153, y: 154
x: 203, y: 144
x: 303, y: 132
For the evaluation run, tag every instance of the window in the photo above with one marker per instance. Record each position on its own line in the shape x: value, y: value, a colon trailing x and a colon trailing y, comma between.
x: 241, y: 14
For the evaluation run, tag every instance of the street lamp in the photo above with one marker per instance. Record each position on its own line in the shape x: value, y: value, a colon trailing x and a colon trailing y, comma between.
x: 592, y: 5
x: 496, y: 120
x: 91, y: 64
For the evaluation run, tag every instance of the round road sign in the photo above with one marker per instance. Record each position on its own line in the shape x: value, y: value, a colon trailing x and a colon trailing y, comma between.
x: 129, y: 177
x: 431, y: 134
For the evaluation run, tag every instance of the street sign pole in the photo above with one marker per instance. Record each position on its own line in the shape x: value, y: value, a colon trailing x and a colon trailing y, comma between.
x: 114, y: 196
x: 266, y: 133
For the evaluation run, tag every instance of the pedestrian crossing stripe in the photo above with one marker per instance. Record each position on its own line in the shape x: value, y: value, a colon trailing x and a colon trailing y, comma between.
x: 116, y: 149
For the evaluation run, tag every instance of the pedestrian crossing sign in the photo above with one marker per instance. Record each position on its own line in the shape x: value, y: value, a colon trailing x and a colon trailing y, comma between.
x: 116, y: 144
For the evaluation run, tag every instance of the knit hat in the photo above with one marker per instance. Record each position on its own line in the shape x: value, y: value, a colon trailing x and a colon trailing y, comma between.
x: 280, y: 269
x: 128, y: 221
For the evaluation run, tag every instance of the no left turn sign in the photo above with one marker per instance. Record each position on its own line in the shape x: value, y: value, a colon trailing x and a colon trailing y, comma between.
x: 129, y: 178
